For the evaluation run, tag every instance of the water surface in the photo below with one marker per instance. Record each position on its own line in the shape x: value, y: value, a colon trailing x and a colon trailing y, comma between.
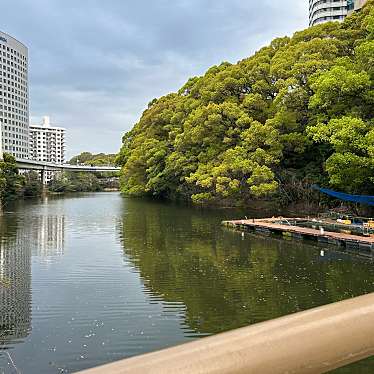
x: 90, y: 279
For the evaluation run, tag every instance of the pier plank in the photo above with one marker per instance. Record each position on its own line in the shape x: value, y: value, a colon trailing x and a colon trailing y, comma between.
x: 332, y: 237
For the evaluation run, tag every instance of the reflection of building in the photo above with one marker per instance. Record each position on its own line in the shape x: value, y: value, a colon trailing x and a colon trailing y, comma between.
x: 321, y: 11
x: 15, y: 288
x: 44, y: 236
x: 49, y: 235
x: 14, y: 96
x: 47, y: 143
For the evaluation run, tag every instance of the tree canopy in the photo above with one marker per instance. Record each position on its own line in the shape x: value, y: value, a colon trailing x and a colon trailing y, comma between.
x: 13, y: 185
x: 87, y: 158
x: 297, y: 112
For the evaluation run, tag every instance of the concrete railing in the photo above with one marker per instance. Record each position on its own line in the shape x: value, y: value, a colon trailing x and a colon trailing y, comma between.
x: 314, y: 341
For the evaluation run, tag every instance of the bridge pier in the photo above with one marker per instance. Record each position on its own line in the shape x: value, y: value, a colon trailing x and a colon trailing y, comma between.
x: 43, y: 176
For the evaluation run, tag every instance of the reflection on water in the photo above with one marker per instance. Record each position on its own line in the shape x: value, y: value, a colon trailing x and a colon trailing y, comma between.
x: 15, y: 284
x: 43, y: 236
x: 49, y: 236
x: 226, y: 281
x: 113, y: 277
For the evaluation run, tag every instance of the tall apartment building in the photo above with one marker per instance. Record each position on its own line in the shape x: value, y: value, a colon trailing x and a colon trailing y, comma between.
x: 321, y: 11
x: 47, y: 143
x: 14, y: 96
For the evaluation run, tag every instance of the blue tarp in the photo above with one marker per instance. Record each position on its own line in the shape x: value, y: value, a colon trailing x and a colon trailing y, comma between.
x: 362, y: 199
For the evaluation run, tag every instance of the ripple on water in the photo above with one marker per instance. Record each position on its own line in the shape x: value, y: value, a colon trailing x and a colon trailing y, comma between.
x: 98, y: 278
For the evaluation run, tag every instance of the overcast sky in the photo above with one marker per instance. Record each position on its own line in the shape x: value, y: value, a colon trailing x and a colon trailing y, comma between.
x: 95, y: 64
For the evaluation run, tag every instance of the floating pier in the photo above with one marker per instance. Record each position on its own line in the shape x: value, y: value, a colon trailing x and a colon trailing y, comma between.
x: 278, y: 226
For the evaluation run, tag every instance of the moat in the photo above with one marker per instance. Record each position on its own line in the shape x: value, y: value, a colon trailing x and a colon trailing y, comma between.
x: 92, y: 278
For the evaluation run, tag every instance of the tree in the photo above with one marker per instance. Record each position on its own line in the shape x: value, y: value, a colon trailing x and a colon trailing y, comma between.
x: 257, y: 129
x: 75, y: 182
x: 351, y: 166
x: 32, y: 184
x: 87, y: 158
x: 10, y: 182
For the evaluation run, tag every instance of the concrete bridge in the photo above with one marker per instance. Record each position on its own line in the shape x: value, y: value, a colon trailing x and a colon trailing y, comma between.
x: 43, y: 167
x: 47, y: 166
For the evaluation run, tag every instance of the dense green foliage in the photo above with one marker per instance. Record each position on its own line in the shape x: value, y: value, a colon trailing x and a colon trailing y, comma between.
x: 33, y: 185
x: 75, y: 182
x: 13, y: 185
x: 298, y: 112
x: 10, y: 182
x: 87, y: 158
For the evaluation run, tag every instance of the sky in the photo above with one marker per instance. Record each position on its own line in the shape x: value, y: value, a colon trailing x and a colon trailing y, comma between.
x: 96, y: 64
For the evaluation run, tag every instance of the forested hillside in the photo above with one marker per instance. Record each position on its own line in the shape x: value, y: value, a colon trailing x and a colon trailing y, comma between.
x: 298, y: 112
x: 87, y: 158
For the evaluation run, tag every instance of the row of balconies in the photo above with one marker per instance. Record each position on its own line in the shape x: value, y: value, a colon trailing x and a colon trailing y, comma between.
x: 327, y: 3
x: 320, y: 17
x: 329, y: 12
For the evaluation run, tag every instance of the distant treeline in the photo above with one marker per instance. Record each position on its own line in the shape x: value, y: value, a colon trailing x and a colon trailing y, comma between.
x: 86, y: 182
x: 298, y: 112
x: 14, y: 185
x: 88, y: 158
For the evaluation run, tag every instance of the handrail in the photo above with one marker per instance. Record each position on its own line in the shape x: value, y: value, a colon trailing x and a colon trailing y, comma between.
x: 314, y: 341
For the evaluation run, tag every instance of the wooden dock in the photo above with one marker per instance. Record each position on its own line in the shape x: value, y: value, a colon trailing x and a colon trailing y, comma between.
x: 276, y: 226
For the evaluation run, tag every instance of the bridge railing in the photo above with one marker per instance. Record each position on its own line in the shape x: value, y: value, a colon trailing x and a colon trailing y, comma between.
x: 314, y: 341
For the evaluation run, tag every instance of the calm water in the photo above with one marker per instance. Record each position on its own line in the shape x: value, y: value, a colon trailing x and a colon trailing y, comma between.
x: 90, y: 279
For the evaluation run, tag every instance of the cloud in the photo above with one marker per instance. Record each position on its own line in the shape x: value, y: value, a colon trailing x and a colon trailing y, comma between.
x: 95, y: 65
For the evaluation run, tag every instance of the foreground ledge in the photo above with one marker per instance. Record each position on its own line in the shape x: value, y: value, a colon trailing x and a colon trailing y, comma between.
x: 314, y: 341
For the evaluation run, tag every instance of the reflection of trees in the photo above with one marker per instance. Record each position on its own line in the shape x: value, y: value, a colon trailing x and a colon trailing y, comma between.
x: 15, y: 281
x: 224, y: 281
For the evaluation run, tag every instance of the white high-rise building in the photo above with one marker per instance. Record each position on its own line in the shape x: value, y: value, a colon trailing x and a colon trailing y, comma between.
x: 14, y: 96
x: 321, y: 11
x: 47, y: 144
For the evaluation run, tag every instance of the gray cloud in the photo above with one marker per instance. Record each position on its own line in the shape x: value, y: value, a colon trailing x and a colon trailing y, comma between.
x: 94, y: 65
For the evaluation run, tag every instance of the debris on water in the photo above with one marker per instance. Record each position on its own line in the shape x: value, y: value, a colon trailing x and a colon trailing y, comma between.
x: 5, y: 282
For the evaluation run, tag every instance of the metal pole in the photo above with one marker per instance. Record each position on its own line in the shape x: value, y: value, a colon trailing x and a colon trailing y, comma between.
x: 314, y: 341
